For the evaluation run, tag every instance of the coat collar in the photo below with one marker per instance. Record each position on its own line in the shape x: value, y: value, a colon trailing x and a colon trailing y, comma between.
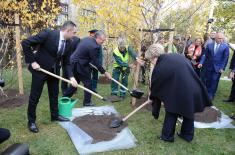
x: 57, y: 37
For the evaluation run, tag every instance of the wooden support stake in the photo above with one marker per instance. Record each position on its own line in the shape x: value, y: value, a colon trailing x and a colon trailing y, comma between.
x: 136, y: 75
x: 169, y: 50
x: 18, y: 54
x: 212, y: 7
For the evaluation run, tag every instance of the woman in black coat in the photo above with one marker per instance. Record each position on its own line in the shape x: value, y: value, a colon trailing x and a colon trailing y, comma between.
x: 175, y: 83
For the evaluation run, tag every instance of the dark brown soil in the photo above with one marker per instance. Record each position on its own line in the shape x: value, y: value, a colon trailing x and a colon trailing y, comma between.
x: 209, y: 115
x: 104, y: 80
x: 114, y: 98
x: 97, y: 126
x: 13, y: 99
x: 141, y: 101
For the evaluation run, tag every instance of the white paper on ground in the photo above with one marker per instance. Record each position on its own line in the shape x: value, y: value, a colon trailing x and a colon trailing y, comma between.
x: 225, y: 78
x: 223, y: 122
x: 82, y: 141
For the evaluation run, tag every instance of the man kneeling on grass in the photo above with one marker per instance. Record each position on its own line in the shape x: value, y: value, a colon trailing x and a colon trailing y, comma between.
x: 176, y: 84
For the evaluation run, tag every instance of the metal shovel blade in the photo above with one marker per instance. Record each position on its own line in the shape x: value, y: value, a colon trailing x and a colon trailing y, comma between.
x: 116, y: 123
x: 137, y: 93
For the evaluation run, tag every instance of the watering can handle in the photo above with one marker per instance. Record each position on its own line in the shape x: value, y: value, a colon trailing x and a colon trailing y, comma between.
x: 68, y: 81
x: 112, y: 79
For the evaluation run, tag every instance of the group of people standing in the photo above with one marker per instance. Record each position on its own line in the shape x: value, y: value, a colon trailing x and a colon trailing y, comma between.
x: 208, y: 57
x: 186, y: 81
x: 187, y: 94
x: 58, y: 49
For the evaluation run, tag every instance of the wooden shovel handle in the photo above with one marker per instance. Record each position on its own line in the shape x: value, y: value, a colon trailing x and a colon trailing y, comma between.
x: 112, y: 79
x: 68, y: 81
x: 137, y: 109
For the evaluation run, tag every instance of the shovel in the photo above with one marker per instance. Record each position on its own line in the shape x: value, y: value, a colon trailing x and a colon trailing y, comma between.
x: 117, y: 122
x: 68, y: 81
x: 134, y: 93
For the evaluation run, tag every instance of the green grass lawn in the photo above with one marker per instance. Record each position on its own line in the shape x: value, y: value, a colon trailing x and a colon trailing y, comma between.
x: 53, y: 139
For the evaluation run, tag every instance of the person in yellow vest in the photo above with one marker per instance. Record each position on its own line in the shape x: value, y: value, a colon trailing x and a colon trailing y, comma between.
x: 121, y: 68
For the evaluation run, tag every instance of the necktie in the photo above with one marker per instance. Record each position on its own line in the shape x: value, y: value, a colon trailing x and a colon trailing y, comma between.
x: 61, y: 50
x: 216, y: 48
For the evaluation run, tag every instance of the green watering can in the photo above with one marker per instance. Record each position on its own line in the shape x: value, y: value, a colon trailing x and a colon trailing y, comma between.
x: 66, y: 105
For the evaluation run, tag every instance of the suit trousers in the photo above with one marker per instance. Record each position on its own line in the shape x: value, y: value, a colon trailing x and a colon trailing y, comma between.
x: 95, y: 76
x: 38, y: 80
x: 232, y: 93
x: 168, y: 130
x: 86, y: 80
x: 212, y: 81
x: 64, y: 85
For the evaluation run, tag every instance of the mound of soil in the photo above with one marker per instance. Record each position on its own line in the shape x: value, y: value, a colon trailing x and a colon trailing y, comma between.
x: 209, y: 115
x: 12, y: 99
x: 97, y: 126
x: 104, y: 80
x: 141, y: 101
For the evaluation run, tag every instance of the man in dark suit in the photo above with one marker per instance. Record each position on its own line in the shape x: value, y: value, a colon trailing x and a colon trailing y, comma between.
x: 214, y: 60
x: 73, y: 44
x: 232, y: 67
x: 53, y: 45
x: 87, y: 52
x: 94, y: 72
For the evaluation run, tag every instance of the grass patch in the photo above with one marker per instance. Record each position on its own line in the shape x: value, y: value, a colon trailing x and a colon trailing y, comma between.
x: 53, y: 139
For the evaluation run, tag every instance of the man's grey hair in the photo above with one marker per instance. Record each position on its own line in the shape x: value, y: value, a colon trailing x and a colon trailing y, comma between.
x: 154, y: 51
x: 99, y: 33
x: 121, y: 42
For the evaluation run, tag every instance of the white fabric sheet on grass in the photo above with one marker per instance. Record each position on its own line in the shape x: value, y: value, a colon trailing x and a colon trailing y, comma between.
x: 225, y: 78
x: 223, y: 122
x: 82, y: 141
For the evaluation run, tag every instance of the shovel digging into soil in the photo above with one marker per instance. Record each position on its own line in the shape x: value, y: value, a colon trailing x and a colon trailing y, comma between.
x: 68, y: 81
x: 134, y: 93
x: 118, y: 122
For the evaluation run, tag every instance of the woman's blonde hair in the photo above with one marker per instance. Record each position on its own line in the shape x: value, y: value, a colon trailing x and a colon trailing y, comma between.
x: 155, y: 50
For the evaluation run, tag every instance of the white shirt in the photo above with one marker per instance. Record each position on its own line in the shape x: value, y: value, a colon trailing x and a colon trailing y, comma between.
x: 216, y: 47
x: 61, y: 39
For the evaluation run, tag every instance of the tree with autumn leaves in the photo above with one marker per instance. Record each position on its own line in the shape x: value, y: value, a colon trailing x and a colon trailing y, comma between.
x: 129, y: 16
x: 34, y: 14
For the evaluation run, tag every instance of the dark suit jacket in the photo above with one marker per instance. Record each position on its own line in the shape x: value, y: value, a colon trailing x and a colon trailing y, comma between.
x: 216, y: 61
x: 87, y: 51
x: 72, y: 47
x: 46, y: 56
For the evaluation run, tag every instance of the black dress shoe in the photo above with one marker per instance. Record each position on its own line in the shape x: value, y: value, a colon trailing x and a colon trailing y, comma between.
x: 232, y: 117
x: 89, y: 104
x: 33, y: 127
x: 184, y: 138
x: 166, y: 140
x: 60, y: 118
x: 229, y: 100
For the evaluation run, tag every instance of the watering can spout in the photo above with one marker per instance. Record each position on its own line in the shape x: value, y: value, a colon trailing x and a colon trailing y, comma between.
x: 73, y: 102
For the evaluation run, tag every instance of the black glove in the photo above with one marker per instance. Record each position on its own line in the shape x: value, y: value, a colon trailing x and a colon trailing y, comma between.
x: 156, y: 105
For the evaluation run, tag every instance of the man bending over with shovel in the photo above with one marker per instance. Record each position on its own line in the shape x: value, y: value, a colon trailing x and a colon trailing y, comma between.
x: 176, y: 84
x: 87, y: 51
x: 121, y: 67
